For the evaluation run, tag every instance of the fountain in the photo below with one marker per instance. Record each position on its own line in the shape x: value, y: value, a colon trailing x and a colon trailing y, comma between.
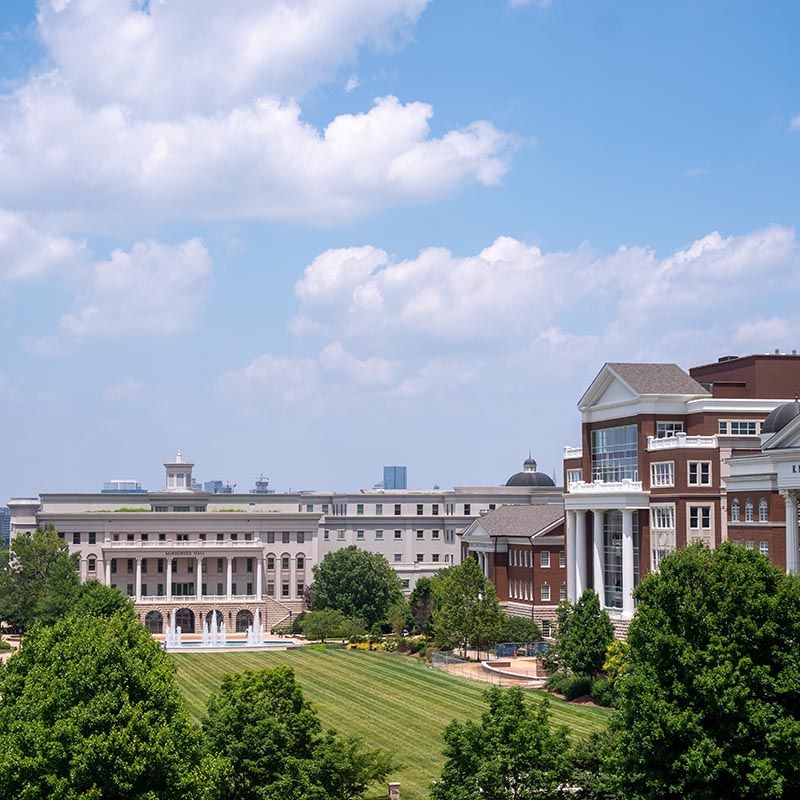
x: 214, y: 634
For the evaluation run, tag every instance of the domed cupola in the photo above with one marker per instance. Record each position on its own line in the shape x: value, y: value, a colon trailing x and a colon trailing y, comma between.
x: 529, y: 476
x: 780, y: 417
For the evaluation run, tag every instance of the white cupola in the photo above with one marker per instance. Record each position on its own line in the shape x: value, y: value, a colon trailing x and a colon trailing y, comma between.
x: 179, y: 475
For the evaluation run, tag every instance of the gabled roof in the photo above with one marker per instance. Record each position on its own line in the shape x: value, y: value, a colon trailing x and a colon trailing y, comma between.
x: 520, y: 520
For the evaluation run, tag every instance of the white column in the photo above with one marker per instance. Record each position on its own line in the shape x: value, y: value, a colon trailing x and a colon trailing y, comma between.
x: 627, y: 562
x: 169, y: 578
x: 293, y: 576
x: 137, y: 589
x: 229, y: 585
x: 199, y: 585
x: 792, y: 558
x: 580, y: 553
x: 83, y: 570
x: 598, y: 557
x: 107, y: 565
x: 259, y: 577
x: 572, y: 557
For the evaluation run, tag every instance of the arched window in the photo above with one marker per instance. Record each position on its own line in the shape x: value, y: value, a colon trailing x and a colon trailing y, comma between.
x: 154, y: 622
x: 763, y: 510
x: 92, y: 564
x: 184, y: 619
x: 244, y: 619
x: 735, y: 510
x: 748, y: 510
x: 214, y: 617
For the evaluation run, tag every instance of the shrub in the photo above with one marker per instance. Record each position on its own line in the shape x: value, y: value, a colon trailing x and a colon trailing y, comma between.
x: 558, y: 682
x: 297, y: 623
x: 5, y: 647
x: 578, y: 687
x: 603, y: 692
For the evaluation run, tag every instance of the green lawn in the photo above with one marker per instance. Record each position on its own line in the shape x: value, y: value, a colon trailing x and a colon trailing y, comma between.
x: 393, y: 702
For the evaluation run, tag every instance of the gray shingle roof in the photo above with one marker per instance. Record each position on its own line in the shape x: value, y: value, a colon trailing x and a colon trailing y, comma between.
x: 657, y: 379
x: 521, y: 520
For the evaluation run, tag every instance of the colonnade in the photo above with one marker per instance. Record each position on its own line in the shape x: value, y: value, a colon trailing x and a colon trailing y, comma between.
x: 790, y: 496
x: 483, y: 563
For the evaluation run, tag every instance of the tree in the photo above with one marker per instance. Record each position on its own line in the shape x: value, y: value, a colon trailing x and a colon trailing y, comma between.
x: 521, y: 630
x: 90, y: 709
x: 269, y: 744
x: 38, y: 578
x: 323, y: 625
x: 467, y: 612
x: 357, y: 583
x: 709, y: 704
x: 512, y: 754
x: 99, y: 600
x: 397, y: 616
x: 421, y: 604
x: 582, y: 636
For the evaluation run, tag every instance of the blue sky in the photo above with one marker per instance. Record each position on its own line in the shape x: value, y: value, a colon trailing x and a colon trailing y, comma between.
x: 312, y: 239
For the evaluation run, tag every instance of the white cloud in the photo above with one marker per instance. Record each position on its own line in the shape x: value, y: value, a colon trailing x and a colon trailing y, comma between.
x: 28, y: 253
x: 106, y: 167
x: 521, y: 3
x: 439, y: 323
x: 154, y: 289
x: 352, y: 84
x: 168, y: 59
x: 794, y: 123
x: 123, y: 392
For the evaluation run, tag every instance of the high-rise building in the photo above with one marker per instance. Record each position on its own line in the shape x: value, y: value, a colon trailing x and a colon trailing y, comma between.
x: 5, y: 526
x: 395, y: 478
x: 218, y: 487
x: 122, y: 486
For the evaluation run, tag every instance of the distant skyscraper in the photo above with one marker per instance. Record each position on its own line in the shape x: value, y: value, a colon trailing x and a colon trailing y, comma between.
x: 218, y: 487
x: 394, y: 478
x: 5, y: 526
x: 123, y: 487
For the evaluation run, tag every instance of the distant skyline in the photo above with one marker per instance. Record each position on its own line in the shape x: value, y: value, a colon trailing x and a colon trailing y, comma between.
x: 311, y: 239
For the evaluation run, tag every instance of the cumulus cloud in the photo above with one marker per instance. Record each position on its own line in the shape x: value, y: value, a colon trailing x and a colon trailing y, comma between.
x: 104, y: 166
x: 134, y: 52
x: 508, y: 316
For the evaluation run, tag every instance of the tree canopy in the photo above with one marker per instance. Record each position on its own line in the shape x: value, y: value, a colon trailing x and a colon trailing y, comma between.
x: 89, y: 709
x: 511, y: 754
x: 357, y: 583
x: 709, y: 703
x: 38, y: 578
x: 269, y: 743
x: 582, y: 636
x: 467, y: 611
x: 421, y: 604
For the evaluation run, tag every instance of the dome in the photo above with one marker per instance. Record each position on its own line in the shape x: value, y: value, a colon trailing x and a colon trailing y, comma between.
x: 780, y: 417
x: 529, y: 476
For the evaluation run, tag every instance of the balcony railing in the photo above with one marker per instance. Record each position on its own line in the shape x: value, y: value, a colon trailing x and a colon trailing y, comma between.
x: 573, y: 452
x: 605, y: 487
x: 680, y: 440
x: 197, y: 544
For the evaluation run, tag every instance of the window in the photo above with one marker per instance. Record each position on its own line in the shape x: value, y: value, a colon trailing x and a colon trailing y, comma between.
x: 562, y: 591
x: 301, y: 537
x: 419, y: 509
x: 129, y: 590
x: 740, y: 427
x: 420, y: 535
x: 662, y: 473
x: 665, y: 429
x: 248, y: 589
x: 92, y: 538
x: 360, y: 536
x: 76, y: 538
x: 285, y: 562
x: 763, y: 548
x: 162, y: 537
x: 700, y: 517
x: 574, y: 475
x: 434, y: 535
x: 406, y: 583
x: 545, y: 592
x: 544, y: 559
x: 492, y: 506
x: 748, y: 510
x: 326, y: 535
x: 270, y: 562
x: 340, y: 536
x: 360, y: 509
x: 220, y: 537
x: 699, y: 473
x: 615, y: 454
x: 284, y: 590
x: 449, y: 536
x: 763, y: 510
x: 130, y: 565
x: 378, y: 536
x: 435, y: 558
x: 301, y: 563
x: 735, y: 510
x: 398, y: 557
x: 160, y: 508
x: 379, y: 509
x: 301, y: 587
x: 181, y: 537
x: 270, y: 588
x: 130, y: 537
x: 114, y: 536
x: 397, y: 509
x: 562, y: 559
x: 398, y: 534
x: 270, y: 537
x: 309, y: 507
x: 248, y: 537
x: 92, y: 563
x: 662, y: 535
x: 324, y: 508
x: 749, y: 545
x: 249, y: 567
x: 467, y: 509
x: 285, y: 538
x: 144, y: 565
x: 547, y: 629
x: 419, y: 558
x: 435, y: 510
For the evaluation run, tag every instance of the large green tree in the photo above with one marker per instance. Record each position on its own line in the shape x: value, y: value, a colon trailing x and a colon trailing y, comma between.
x: 89, y: 709
x: 467, y: 611
x: 268, y: 744
x: 511, y: 754
x: 583, y: 634
x: 357, y: 583
x: 709, y: 705
x: 38, y: 578
x: 421, y: 603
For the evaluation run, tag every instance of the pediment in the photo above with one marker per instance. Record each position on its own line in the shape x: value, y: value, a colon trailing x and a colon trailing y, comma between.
x: 475, y: 533
x: 787, y: 438
x: 607, y: 389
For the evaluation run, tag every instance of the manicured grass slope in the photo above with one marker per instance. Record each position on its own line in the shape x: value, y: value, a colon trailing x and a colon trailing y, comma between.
x: 392, y: 702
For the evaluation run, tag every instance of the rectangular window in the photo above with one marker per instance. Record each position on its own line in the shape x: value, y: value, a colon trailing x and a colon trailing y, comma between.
x: 76, y: 538
x: 420, y: 535
x: 270, y: 588
x: 419, y: 509
x: 249, y: 589
x: 699, y: 473
x: 379, y: 509
x: 360, y: 509
x: 326, y: 535
x: 562, y: 592
x: 130, y: 537
x: 492, y: 506
x: 398, y: 558
x: 284, y: 590
x: 162, y: 537
x: 309, y: 507
x: 435, y: 558
x: 419, y: 558
x: 270, y: 562
x: 130, y: 565
x: 662, y: 473
x: 285, y: 538
x: 434, y: 535
x: 301, y: 587
x: 545, y: 592
x: 574, y: 475
x: 301, y: 563
x: 360, y: 536
x: 739, y: 427
x: 749, y: 545
x: 763, y: 510
x: 160, y: 565
x: 397, y: 510
x: 92, y: 538
x: 324, y: 508
x: 763, y: 548
x: 435, y: 510
x: 562, y: 559
x: 144, y: 566
x: 249, y: 567
x: 665, y: 429
x: 340, y: 536
x: 398, y: 534
x: 546, y: 628
x: 220, y: 537
x: 92, y: 563
x: 700, y: 517
x: 129, y: 590
x: 248, y: 537
x: 544, y: 559
x: 467, y: 509
x: 406, y: 584
x: 449, y: 536
x: 615, y: 455
x: 301, y: 537
x: 285, y: 562
x: 270, y: 537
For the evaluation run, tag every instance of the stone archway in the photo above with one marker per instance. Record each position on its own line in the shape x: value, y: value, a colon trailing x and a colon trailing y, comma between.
x: 215, y: 618
x: 184, y: 619
x: 154, y: 622
x: 244, y: 619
